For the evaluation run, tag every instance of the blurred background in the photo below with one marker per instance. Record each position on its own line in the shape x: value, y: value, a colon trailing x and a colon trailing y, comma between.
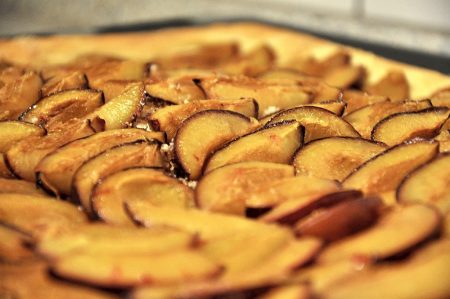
x: 413, y: 31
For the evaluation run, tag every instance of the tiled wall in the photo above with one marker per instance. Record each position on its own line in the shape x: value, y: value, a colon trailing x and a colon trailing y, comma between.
x: 420, y: 25
x: 433, y: 14
x: 37, y: 15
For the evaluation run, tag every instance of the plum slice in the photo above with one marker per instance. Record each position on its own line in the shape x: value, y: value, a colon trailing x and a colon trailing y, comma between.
x: 54, y: 111
x: 125, y: 270
x: 23, y: 157
x: 334, y: 158
x: 429, y: 184
x: 55, y: 171
x: 365, y: 118
x: 102, y: 239
x: 194, y: 220
x: 12, y: 246
x: 18, y: 91
x: 428, y: 269
x: 169, y: 118
x: 137, y: 153
x: 290, y: 211
x: 393, y: 234
x: 141, y: 183
x: 394, y: 86
x: 227, y: 189
x: 266, y: 94
x: 39, y: 216
x: 318, y: 122
x: 277, y: 191
x: 345, y: 76
x: 36, y: 283
x: 63, y: 82
x: 176, y: 91
x: 20, y: 187
x: 120, y: 111
x: 275, y: 143
x: 341, y: 220
x: 246, y: 271
x: 257, y: 61
x: 203, y: 133
x: 12, y: 132
x: 385, y: 171
x: 401, y: 127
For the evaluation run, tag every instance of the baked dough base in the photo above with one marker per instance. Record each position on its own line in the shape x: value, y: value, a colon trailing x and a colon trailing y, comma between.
x: 37, y: 52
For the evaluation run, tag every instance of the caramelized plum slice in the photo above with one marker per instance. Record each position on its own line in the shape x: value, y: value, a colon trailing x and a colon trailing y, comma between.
x: 278, y: 74
x: 144, y: 184
x: 428, y: 184
x: 266, y: 94
x: 340, y: 220
x: 55, y: 171
x: 137, y: 269
x: 138, y: 153
x: 114, y: 88
x: 120, y: 111
x: 194, y: 220
x: 31, y: 280
x: 38, y: 215
x: 334, y: 158
x: 227, y: 189
x: 292, y: 210
x: 20, y: 187
x: 312, y: 66
x: 385, y: 171
x: 23, y: 157
x: 255, y: 275
x: 405, y: 126
x: 102, y: 239
x: 13, y: 248
x: 200, y: 56
x: 394, y: 86
x: 14, y: 131
x: 318, y: 122
x: 441, y: 98
x: 277, y: 191
x: 427, y: 269
x: 177, y: 91
x: 336, y: 107
x: 10, y: 133
x: 203, y: 133
x: 391, y: 235
x: 231, y: 251
x: 357, y: 99
x: 100, y: 69
x: 345, y: 76
x: 365, y: 118
x: 274, y: 143
x: 55, y: 110
x: 169, y: 118
x: 316, y: 88
x: 251, y: 64
x: 18, y: 91
x: 70, y: 81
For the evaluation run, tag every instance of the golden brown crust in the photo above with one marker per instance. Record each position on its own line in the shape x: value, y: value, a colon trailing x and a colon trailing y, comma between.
x: 39, y: 51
